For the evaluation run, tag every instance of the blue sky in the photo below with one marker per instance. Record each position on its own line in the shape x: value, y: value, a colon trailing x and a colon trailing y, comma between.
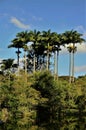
x: 57, y: 15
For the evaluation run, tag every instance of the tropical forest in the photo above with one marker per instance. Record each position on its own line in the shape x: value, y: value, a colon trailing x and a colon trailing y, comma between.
x: 33, y: 96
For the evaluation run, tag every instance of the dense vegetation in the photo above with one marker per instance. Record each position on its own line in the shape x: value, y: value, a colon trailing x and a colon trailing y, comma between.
x: 37, y: 98
x: 34, y: 95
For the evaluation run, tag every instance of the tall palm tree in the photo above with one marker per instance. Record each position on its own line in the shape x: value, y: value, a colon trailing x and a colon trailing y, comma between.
x: 34, y: 38
x: 57, y: 43
x: 47, y: 37
x: 72, y: 37
x: 73, y: 52
x: 20, y: 41
x: 77, y: 38
x: 24, y: 37
x: 16, y: 43
x: 70, y: 49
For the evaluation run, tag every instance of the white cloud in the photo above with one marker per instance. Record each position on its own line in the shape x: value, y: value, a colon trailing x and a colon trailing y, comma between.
x: 19, y: 24
x: 64, y: 50
x: 80, y: 68
x: 81, y: 48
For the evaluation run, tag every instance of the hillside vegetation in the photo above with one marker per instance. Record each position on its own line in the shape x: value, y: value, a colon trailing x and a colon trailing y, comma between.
x: 39, y: 97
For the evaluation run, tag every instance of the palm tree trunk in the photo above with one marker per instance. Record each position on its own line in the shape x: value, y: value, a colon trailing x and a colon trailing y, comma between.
x: 25, y: 60
x: 18, y: 57
x: 70, y: 62
x: 48, y: 57
x: 18, y: 52
x: 73, y: 67
x: 55, y: 63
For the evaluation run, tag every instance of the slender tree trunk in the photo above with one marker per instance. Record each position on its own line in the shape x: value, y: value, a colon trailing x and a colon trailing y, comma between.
x: 18, y: 52
x: 48, y: 57
x: 18, y: 57
x: 70, y: 63
x: 74, y: 50
x: 55, y: 63
x: 73, y: 66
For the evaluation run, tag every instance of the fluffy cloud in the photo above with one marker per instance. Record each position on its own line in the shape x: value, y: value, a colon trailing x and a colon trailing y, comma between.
x: 81, y: 48
x: 80, y: 68
x: 19, y: 24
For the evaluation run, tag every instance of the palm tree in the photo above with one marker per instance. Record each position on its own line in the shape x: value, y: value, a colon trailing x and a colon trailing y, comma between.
x: 34, y: 38
x: 20, y: 41
x: 72, y: 37
x: 56, y: 49
x: 47, y: 38
x: 71, y: 49
x: 24, y: 37
x: 77, y: 38
x: 74, y: 49
x: 16, y: 43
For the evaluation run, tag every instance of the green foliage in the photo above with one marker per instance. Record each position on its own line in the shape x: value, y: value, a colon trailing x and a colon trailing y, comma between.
x: 19, y: 102
x: 38, y: 97
x: 7, y: 63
